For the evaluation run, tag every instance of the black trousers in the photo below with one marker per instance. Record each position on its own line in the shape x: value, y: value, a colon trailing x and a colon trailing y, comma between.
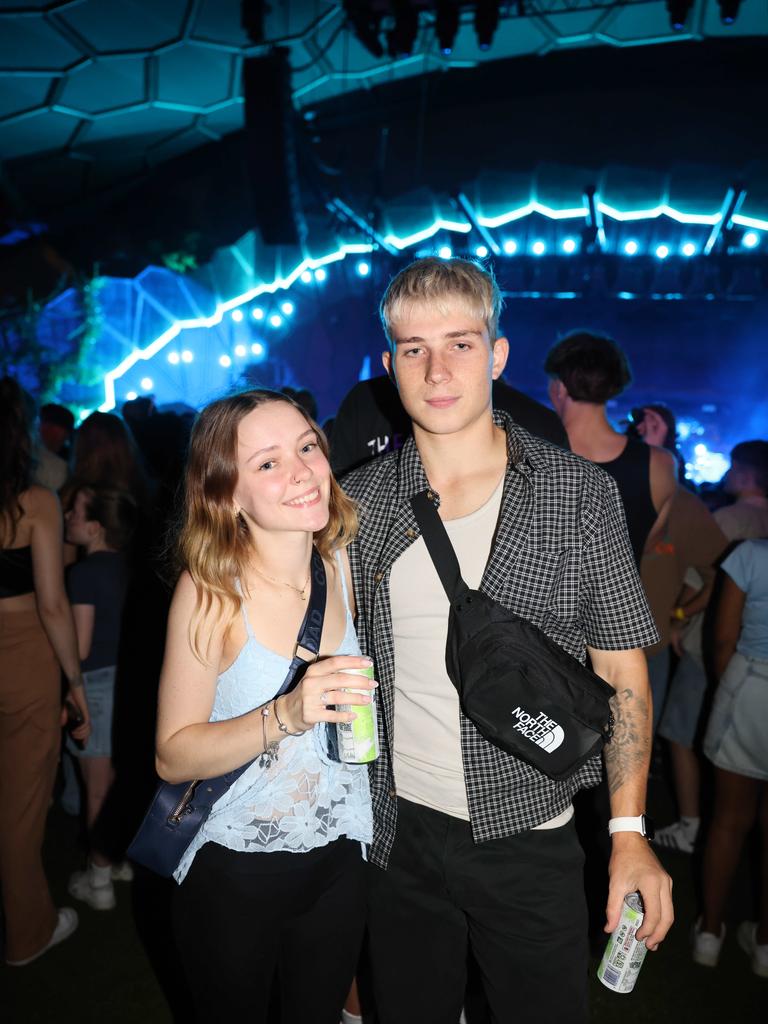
x: 241, y: 920
x: 517, y: 902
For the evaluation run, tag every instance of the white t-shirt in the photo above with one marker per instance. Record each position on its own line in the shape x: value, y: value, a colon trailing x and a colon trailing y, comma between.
x: 427, y: 757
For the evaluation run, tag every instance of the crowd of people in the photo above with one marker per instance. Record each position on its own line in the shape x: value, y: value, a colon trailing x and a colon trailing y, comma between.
x: 152, y: 560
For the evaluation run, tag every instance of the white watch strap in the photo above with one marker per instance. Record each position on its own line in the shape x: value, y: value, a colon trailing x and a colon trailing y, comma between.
x: 626, y: 825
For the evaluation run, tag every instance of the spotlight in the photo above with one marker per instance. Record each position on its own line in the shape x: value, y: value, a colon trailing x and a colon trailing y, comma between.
x: 678, y: 13
x: 131, y: 396
x: 240, y: 350
x: 510, y: 247
x: 146, y: 383
x: 237, y: 315
x: 320, y: 274
x: 306, y: 276
x: 401, y: 39
x: 751, y: 239
x: 287, y: 308
x: 481, y: 251
x: 486, y: 22
x: 445, y: 252
x: 275, y: 320
x: 257, y: 313
x: 173, y: 358
x: 689, y: 249
x: 446, y: 25
x: 186, y: 356
x: 257, y: 348
x: 569, y: 245
x: 225, y: 361
x: 662, y: 251
x: 538, y: 248
x: 729, y: 10
x: 630, y: 247
x: 363, y: 268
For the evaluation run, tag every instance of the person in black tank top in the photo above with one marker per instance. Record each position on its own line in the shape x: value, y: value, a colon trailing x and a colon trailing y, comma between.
x: 632, y: 473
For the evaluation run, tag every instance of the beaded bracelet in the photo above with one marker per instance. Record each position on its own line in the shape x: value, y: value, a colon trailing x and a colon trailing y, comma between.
x: 282, y: 726
x: 270, y: 752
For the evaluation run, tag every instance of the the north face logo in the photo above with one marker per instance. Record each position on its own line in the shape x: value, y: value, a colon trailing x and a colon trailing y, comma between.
x: 539, y: 729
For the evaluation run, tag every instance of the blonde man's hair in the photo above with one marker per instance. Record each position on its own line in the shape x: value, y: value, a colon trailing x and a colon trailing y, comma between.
x: 435, y: 282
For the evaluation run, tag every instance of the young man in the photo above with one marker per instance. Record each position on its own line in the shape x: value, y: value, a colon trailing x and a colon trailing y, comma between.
x: 471, y: 846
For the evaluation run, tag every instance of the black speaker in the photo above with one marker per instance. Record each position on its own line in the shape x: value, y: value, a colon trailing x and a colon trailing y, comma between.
x: 270, y: 126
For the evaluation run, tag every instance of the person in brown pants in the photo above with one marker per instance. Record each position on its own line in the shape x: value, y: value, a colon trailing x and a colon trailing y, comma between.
x: 37, y: 639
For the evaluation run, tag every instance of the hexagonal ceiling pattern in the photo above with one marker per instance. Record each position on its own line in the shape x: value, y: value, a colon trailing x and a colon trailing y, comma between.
x: 112, y: 85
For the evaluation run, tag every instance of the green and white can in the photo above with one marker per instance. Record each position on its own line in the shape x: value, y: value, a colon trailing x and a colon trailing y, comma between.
x: 624, y: 955
x: 358, y: 741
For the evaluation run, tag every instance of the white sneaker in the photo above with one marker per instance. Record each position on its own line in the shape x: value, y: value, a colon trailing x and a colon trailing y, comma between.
x: 122, y: 872
x: 65, y: 925
x: 706, y: 945
x: 676, y: 837
x: 100, y: 897
x: 758, y: 953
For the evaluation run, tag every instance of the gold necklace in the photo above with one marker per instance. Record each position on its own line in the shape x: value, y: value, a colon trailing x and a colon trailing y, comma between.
x: 302, y: 592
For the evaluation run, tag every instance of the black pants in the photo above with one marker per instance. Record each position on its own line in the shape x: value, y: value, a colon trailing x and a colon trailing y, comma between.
x: 518, y: 902
x: 242, y: 919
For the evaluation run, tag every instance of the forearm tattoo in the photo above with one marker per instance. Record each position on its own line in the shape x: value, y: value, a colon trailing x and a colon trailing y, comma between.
x: 629, y: 749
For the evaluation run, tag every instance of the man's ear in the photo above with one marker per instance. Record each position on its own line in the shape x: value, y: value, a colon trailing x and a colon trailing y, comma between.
x: 389, y: 369
x: 500, y: 356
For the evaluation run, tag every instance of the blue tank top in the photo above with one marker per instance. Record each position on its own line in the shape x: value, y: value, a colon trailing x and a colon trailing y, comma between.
x: 304, y: 800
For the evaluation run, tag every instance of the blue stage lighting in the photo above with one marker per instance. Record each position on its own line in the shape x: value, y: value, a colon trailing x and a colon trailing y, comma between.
x: 363, y: 268
x: 187, y: 356
x: 257, y: 313
x: 237, y: 315
x: 320, y: 274
x: 287, y: 308
x: 146, y: 383
x: 275, y: 320
x: 689, y: 249
x: 662, y: 251
x: 173, y: 358
x: 131, y: 396
x: 240, y: 350
x: 445, y: 252
x: 225, y: 361
x: 569, y: 245
x: 306, y: 276
x: 630, y: 247
x: 510, y: 247
x: 481, y: 251
x: 538, y: 248
x: 257, y: 348
x: 751, y: 239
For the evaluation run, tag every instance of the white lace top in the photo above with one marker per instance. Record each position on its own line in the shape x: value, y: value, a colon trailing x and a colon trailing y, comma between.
x: 304, y: 800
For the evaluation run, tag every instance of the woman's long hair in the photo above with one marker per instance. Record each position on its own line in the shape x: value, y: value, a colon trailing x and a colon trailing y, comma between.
x: 15, y: 456
x: 214, y: 544
x: 106, y: 454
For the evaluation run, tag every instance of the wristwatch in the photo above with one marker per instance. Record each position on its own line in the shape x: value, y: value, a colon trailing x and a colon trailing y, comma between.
x: 642, y: 824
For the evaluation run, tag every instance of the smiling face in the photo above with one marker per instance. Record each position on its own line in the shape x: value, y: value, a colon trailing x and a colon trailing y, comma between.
x: 443, y: 364
x: 284, y: 479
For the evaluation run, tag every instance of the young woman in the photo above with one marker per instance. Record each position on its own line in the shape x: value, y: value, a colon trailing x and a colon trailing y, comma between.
x: 272, y: 886
x: 37, y: 643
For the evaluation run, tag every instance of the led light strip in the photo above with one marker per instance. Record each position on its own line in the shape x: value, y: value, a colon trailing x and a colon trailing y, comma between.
x: 406, y: 242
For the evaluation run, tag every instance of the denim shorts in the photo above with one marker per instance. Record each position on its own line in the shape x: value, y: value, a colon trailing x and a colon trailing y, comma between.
x: 735, y: 739
x: 100, y: 693
x: 680, y: 719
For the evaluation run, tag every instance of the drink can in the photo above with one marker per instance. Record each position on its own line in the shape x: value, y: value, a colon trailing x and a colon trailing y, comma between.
x: 624, y: 955
x: 358, y: 742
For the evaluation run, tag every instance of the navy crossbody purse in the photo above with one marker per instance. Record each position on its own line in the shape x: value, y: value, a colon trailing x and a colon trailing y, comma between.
x: 178, y: 810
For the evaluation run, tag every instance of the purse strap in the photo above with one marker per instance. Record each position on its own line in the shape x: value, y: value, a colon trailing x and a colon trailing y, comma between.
x: 438, y: 545
x: 306, y: 651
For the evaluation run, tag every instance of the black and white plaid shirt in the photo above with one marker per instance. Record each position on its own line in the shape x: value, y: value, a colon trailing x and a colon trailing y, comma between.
x: 561, y: 559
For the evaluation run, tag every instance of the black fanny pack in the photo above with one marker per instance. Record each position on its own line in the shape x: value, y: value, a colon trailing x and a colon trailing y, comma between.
x: 522, y: 691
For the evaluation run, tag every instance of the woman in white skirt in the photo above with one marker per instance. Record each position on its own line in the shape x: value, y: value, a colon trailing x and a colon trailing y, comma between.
x: 736, y: 742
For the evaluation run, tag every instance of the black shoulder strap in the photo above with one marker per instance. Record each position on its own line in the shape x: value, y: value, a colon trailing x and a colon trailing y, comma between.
x: 438, y: 545
x: 311, y: 630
